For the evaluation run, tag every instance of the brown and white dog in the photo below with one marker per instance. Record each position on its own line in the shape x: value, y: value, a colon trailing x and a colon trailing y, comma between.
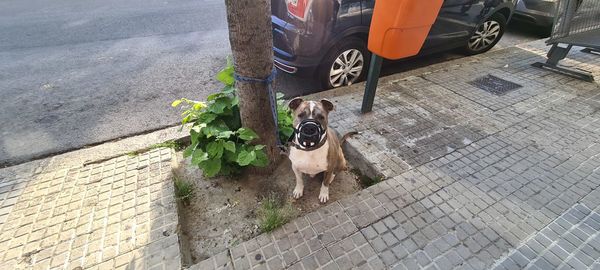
x: 321, y: 154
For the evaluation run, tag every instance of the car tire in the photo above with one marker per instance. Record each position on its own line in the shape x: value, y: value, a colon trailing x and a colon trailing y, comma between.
x: 486, y: 35
x: 339, y: 66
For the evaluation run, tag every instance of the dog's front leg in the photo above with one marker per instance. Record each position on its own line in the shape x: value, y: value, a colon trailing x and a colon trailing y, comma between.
x: 299, y: 189
x: 324, y: 193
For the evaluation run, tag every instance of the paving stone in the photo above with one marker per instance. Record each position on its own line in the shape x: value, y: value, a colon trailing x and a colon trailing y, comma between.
x: 585, y: 259
x: 219, y: 261
x: 543, y: 240
x: 588, y: 250
x: 543, y: 264
x: 442, y: 262
x: 508, y: 264
x: 454, y: 258
x: 431, y: 251
x: 71, y: 193
x: 595, y: 242
x: 363, y: 209
x: 463, y: 252
x: 294, y: 241
x: 441, y: 245
x: 569, y: 243
x: 410, y: 263
x: 552, y: 259
x: 399, y: 233
x: 576, y: 264
x: 388, y: 257
x: 519, y: 259
x: 580, y: 233
x: 410, y: 245
x: 331, y: 223
x: 354, y: 252
x: 317, y: 260
x: 476, y: 263
x: 558, y: 251
x: 369, y: 233
x: 422, y: 258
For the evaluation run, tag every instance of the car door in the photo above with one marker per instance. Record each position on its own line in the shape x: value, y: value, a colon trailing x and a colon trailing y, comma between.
x: 367, y: 11
x: 455, y: 22
x: 348, y: 15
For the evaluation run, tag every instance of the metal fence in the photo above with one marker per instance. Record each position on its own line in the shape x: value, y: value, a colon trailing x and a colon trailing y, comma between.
x: 577, y: 23
x: 574, y: 17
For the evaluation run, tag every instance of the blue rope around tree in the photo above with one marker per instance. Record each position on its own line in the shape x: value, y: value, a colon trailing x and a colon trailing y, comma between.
x: 268, y: 81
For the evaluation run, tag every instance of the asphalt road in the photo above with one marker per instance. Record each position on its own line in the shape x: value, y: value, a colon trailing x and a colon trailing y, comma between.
x: 77, y: 73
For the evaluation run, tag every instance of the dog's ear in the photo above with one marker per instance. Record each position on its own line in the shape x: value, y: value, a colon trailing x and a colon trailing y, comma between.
x: 294, y: 103
x: 327, y: 105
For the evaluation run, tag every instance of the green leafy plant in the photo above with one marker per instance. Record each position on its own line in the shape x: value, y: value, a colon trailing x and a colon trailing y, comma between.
x: 183, y: 190
x: 273, y: 213
x: 284, y: 119
x: 219, y: 143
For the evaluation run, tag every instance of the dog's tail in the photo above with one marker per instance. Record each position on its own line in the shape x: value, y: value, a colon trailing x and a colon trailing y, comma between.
x: 348, y: 135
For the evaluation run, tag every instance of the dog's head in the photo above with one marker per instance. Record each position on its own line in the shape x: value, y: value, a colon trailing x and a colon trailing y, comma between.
x: 315, y: 110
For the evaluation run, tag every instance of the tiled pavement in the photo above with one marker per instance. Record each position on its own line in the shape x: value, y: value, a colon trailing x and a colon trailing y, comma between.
x: 572, y: 241
x: 117, y: 214
x: 473, y: 180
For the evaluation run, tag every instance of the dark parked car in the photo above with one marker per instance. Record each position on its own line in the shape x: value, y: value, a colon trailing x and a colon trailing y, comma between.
x: 328, y: 38
x: 538, y: 12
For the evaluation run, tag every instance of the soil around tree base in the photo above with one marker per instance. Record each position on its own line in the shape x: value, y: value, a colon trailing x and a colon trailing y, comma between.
x: 223, y: 211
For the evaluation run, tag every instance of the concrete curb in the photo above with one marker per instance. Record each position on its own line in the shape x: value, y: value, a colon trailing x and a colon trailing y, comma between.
x: 106, y: 151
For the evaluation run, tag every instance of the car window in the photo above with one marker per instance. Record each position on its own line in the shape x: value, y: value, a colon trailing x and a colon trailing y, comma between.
x: 349, y: 8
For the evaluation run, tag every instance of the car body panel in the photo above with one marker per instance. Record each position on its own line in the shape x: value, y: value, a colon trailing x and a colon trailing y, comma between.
x: 538, y: 12
x: 303, y: 44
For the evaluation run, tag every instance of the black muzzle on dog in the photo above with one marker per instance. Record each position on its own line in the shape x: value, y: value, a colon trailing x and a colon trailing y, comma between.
x: 310, y: 133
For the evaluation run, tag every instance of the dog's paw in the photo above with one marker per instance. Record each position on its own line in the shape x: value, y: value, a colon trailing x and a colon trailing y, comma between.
x: 298, y: 192
x: 324, y: 195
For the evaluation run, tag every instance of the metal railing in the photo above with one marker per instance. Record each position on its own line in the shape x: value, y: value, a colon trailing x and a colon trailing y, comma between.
x: 575, y: 16
x: 576, y: 23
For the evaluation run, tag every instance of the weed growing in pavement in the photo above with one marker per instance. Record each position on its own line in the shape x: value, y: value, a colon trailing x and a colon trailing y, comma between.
x: 184, y: 190
x: 364, y: 180
x: 274, y: 213
x: 175, y: 145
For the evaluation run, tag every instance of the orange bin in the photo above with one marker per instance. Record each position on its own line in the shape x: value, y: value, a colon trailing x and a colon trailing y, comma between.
x: 399, y: 27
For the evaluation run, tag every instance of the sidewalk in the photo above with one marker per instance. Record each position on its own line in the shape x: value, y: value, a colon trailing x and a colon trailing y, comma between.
x: 473, y: 180
x: 64, y: 212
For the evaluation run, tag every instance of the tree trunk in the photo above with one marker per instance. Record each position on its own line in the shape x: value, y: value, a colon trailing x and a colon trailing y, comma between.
x: 251, y: 42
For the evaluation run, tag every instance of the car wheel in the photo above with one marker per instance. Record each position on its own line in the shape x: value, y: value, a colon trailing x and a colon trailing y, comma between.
x: 486, y: 35
x: 345, y: 64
